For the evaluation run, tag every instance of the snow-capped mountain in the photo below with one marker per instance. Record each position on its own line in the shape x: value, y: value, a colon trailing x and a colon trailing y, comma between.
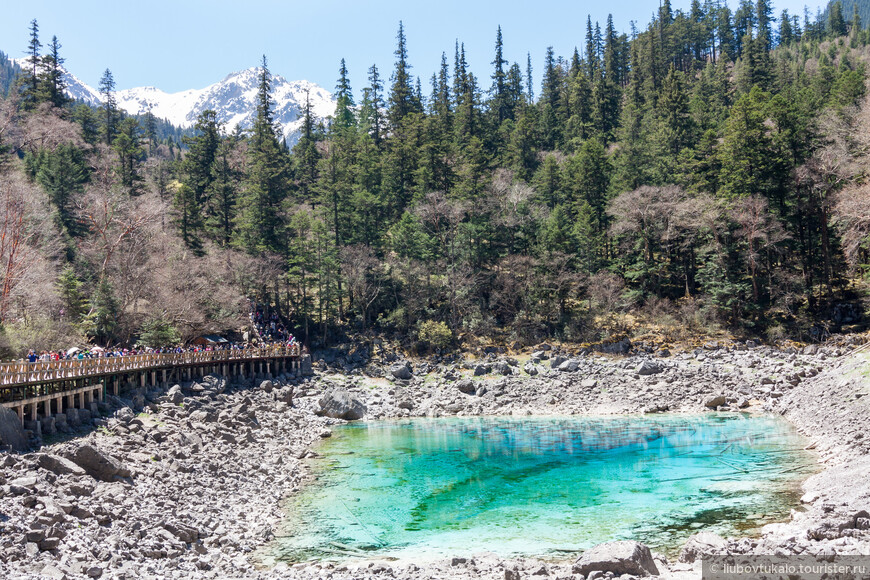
x: 233, y: 98
x: 235, y: 101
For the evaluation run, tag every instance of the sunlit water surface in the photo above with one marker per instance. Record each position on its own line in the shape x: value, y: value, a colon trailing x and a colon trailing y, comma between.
x: 541, y: 486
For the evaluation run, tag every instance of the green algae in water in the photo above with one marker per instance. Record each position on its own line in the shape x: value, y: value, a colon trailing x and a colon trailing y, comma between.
x: 541, y: 486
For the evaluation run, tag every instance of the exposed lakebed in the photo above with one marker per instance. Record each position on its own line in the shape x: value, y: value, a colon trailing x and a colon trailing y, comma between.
x: 541, y: 486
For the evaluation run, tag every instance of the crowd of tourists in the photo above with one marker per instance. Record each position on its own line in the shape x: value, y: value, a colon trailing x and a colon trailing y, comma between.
x: 100, y: 352
x: 268, y: 325
x: 268, y: 328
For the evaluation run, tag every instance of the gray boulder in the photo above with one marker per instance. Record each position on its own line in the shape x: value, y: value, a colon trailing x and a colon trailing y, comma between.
x: 702, y: 544
x: 715, y: 401
x: 305, y: 365
x: 557, y: 361
x: 340, y: 404
x: 285, y: 395
x: 174, y: 395
x: 624, y: 557
x: 649, y: 367
x: 126, y: 414
x: 11, y: 430
x: 95, y: 463
x: 502, y: 368
x: 401, y: 371
x: 466, y: 386
x: 621, y: 347
x: 58, y: 465
x: 569, y: 366
x: 183, y: 532
x: 530, y: 369
x: 266, y: 386
x: 481, y: 370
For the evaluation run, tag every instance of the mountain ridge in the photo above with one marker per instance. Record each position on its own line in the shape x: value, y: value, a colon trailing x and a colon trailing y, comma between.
x: 233, y: 98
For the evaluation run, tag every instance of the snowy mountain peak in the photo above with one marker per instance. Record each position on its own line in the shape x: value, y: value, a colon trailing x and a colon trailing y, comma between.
x: 234, y: 99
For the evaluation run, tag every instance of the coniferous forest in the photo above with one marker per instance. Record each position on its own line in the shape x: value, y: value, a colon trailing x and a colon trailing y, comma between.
x: 701, y: 175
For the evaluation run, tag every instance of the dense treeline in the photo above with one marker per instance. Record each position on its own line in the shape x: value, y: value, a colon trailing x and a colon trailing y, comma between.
x: 702, y: 173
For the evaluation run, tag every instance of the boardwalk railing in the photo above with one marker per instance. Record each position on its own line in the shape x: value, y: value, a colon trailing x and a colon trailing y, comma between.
x: 14, y: 374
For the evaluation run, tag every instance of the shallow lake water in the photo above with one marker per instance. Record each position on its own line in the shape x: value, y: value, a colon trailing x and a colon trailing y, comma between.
x: 541, y: 486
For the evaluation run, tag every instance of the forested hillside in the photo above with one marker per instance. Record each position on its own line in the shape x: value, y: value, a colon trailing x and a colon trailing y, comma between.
x: 847, y: 9
x: 700, y: 175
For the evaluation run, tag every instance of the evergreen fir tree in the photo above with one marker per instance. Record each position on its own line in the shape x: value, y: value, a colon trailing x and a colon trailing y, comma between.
x: 30, y: 93
x: 127, y: 145
x: 498, y: 91
x: 260, y: 223
x: 529, y: 85
x: 52, y: 79
x: 197, y: 175
x: 401, y: 94
x: 763, y: 31
x: 785, y: 30
x: 344, y: 106
x: 836, y: 21
x: 374, y: 112
x: 62, y: 173
x: 222, y: 194
x: 110, y: 107
x: 150, y: 130
x: 307, y: 155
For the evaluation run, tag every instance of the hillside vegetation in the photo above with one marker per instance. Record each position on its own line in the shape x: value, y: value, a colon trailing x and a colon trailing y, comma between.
x: 702, y: 175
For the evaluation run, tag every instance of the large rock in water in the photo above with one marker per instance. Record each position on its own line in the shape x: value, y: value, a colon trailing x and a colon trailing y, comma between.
x: 625, y: 557
x: 95, y: 463
x: 339, y: 404
x: 702, y: 544
x: 11, y: 431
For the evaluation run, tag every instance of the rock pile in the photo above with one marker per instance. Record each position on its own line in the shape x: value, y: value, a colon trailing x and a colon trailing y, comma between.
x: 186, y: 489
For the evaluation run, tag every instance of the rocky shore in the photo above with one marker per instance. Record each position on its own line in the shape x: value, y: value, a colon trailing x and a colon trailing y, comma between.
x: 188, y: 483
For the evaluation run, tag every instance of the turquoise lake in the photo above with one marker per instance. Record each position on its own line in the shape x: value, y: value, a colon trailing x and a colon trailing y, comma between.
x: 541, y: 486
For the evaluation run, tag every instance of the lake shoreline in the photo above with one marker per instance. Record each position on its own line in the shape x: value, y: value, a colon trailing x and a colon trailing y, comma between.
x: 203, y: 482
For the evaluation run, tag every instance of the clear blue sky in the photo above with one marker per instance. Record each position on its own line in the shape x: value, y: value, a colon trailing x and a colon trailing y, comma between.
x: 179, y: 44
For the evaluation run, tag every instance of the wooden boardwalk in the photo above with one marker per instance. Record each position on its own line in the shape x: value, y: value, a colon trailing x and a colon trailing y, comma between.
x: 78, y: 383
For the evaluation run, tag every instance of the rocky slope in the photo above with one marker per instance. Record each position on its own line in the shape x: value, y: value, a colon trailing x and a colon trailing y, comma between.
x: 191, y: 488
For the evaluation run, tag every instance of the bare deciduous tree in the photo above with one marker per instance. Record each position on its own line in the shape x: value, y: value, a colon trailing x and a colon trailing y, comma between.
x: 761, y: 232
x: 28, y: 244
x: 361, y: 268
